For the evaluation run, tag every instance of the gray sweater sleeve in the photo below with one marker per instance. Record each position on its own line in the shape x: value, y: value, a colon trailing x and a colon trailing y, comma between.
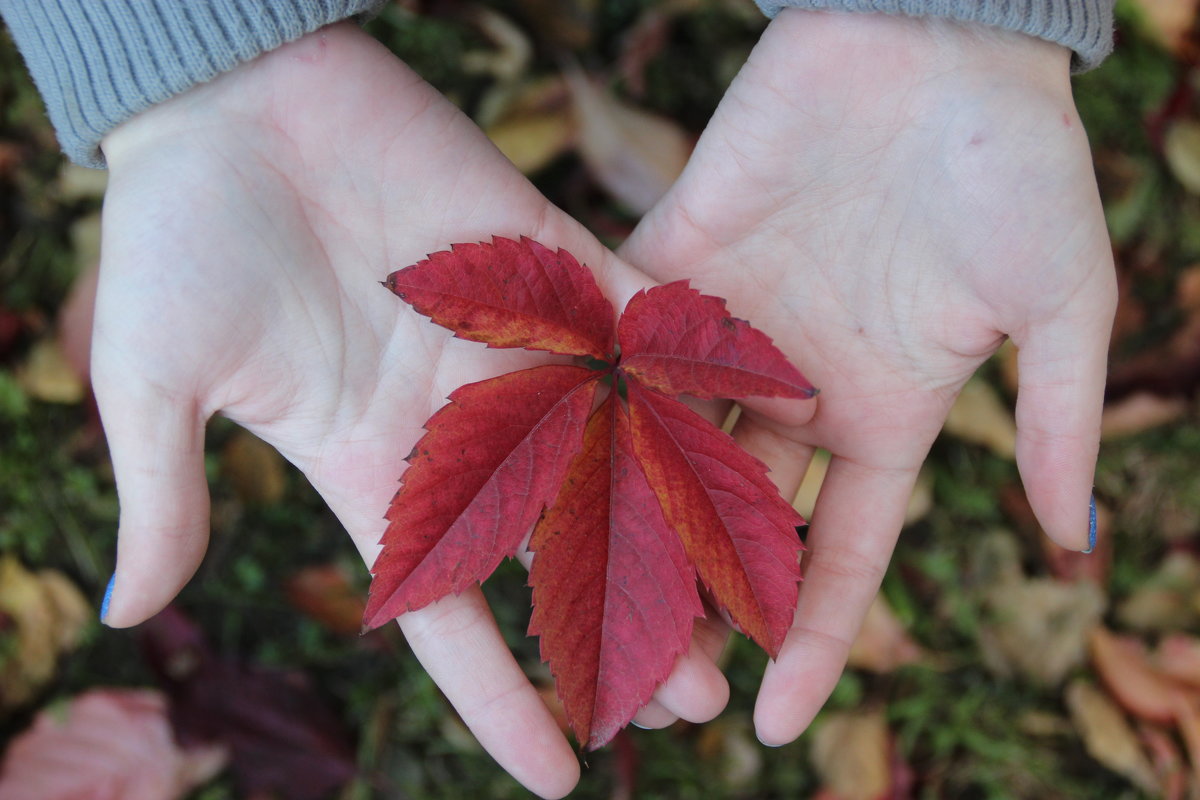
x: 99, y: 62
x: 1085, y: 26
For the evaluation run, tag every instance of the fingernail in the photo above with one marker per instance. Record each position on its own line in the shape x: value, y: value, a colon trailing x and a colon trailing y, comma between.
x: 1091, y: 525
x: 639, y: 727
x: 107, y: 597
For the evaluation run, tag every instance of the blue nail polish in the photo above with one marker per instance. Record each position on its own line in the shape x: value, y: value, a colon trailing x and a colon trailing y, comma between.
x: 107, y: 597
x: 1091, y: 525
x: 639, y: 727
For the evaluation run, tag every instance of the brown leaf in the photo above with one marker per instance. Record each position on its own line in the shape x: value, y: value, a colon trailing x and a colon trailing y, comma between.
x: 979, y: 416
x: 324, y: 593
x: 46, y: 614
x: 565, y: 23
x: 728, y: 744
x: 1168, y: 22
x: 532, y: 141
x: 1168, y: 762
x: 1140, y: 412
x: 1178, y: 656
x: 1181, y: 147
x: 1108, y: 736
x: 851, y: 752
x: 48, y: 376
x: 75, y: 318
x: 1123, y: 665
x: 107, y: 744
x: 633, y: 154
x: 254, y: 469
x: 513, y: 54
x: 805, y: 500
x: 883, y: 644
x: 1164, y: 601
x: 1037, y: 627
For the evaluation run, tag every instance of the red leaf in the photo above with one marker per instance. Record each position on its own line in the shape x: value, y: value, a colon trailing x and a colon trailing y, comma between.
x: 737, y: 530
x: 511, y: 294
x: 613, y: 594
x: 491, y: 461
x: 679, y: 341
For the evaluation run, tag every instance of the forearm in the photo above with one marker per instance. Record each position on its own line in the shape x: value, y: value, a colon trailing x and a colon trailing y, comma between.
x: 97, y: 64
x: 1083, y: 26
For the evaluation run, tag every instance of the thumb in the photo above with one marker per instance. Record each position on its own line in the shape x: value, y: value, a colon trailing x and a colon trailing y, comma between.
x: 157, y: 448
x: 1060, y: 396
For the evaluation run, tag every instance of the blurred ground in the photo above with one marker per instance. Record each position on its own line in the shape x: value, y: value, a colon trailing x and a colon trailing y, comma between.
x: 994, y: 665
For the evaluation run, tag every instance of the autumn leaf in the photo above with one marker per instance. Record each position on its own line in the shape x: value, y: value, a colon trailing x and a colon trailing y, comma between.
x: 492, y: 460
x: 636, y: 498
x: 609, y: 641
x: 678, y: 341
x: 511, y: 294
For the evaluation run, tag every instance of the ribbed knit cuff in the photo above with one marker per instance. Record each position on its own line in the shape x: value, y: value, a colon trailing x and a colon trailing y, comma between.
x: 99, y: 62
x: 1085, y: 26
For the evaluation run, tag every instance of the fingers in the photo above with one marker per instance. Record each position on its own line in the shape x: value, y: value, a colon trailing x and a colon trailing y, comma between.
x: 1060, y: 397
x: 157, y: 447
x: 459, y: 645
x: 854, y: 528
x: 696, y: 690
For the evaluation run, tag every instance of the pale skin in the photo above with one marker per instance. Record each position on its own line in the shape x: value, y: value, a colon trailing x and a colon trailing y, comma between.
x: 249, y: 220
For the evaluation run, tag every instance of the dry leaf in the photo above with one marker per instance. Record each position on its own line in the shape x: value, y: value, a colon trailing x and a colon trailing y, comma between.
x: 47, y: 615
x: 883, y: 644
x: 510, y: 60
x: 107, y: 744
x: 531, y: 141
x: 1123, y: 665
x: 48, y: 376
x: 254, y: 469
x: 1169, y: 22
x: 633, y: 154
x: 75, y: 318
x: 920, y: 503
x: 324, y: 593
x: 729, y: 744
x: 851, y: 751
x: 1181, y: 147
x: 1168, y: 761
x: 979, y: 416
x: 805, y: 500
x: 81, y: 183
x: 1010, y: 373
x: 1166, y: 600
x: 1178, y: 656
x: 1037, y: 627
x: 1139, y: 412
x: 1108, y: 736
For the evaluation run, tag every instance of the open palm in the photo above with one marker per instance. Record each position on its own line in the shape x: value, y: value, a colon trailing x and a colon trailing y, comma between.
x: 247, y: 226
x: 889, y: 198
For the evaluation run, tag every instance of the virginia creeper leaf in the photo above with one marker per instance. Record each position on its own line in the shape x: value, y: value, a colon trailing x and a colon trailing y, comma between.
x: 477, y: 481
x: 511, y: 294
x: 736, y: 529
x: 613, y: 594
x: 679, y: 341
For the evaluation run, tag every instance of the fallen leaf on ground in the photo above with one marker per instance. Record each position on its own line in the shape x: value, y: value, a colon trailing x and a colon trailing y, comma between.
x: 1166, y: 758
x: 1181, y: 147
x: 851, y: 752
x: 1140, y: 412
x: 980, y: 417
x: 46, y: 616
x: 1167, y: 599
x: 1169, y: 22
x: 324, y: 593
x: 532, y: 141
x: 254, y: 469
x: 510, y: 60
x: 1125, y: 668
x: 75, y: 319
x: 48, y: 376
x: 728, y: 744
x: 635, y: 155
x: 283, y: 740
x: 1178, y: 656
x: 883, y: 644
x: 106, y: 744
x: 1108, y: 736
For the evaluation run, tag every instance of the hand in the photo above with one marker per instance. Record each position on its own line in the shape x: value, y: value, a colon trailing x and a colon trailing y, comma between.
x: 247, y: 226
x: 889, y: 199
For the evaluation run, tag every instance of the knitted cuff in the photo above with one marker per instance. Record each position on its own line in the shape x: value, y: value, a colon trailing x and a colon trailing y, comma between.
x: 1085, y: 26
x: 99, y: 62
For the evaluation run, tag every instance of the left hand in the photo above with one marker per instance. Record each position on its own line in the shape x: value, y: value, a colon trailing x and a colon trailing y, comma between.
x: 889, y: 198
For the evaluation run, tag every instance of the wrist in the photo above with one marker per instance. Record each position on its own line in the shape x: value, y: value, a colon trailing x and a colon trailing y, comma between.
x: 894, y: 52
